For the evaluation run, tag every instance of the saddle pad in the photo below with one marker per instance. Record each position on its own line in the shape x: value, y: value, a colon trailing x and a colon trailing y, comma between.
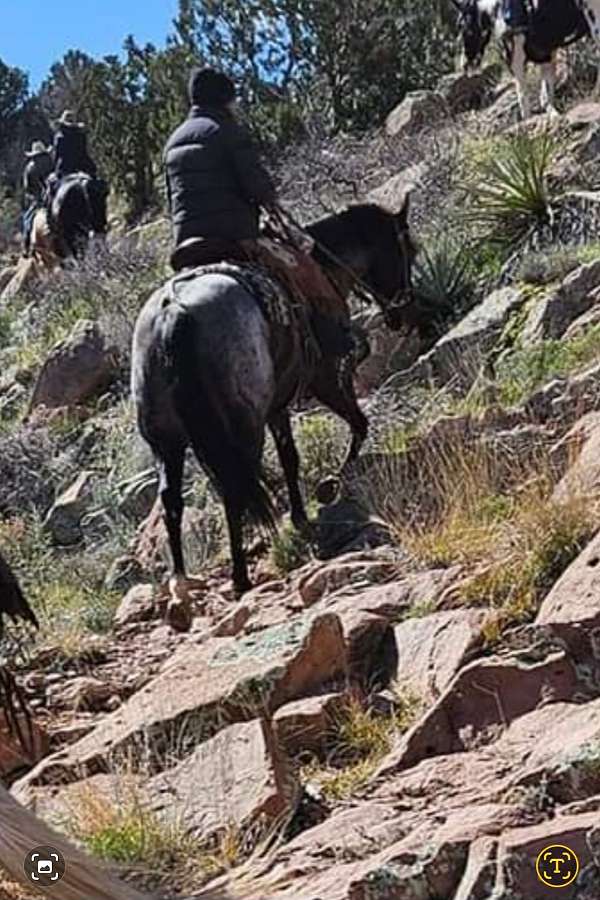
x: 278, y: 306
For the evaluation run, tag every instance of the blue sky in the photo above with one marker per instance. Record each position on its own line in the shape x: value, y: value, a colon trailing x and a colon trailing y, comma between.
x: 36, y: 33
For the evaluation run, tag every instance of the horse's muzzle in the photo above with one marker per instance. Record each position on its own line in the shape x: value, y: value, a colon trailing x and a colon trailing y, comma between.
x: 394, y: 314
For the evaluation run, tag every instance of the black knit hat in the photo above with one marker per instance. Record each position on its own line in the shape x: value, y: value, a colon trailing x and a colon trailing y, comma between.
x: 208, y: 87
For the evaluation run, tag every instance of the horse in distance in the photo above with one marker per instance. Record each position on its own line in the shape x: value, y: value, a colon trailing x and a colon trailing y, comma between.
x: 552, y: 24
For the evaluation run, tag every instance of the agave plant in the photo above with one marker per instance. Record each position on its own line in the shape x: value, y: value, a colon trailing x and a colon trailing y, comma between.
x: 444, y: 283
x: 508, y: 192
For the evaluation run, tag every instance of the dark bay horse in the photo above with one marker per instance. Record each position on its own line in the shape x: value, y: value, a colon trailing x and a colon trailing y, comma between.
x: 210, y: 371
x: 78, y: 210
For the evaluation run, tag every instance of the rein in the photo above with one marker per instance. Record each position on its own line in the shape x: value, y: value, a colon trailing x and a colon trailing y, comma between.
x: 364, y: 292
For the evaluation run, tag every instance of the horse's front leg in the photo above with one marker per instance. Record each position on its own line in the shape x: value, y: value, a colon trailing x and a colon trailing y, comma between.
x: 281, y: 429
x: 548, y: 87
x: 333, y: 385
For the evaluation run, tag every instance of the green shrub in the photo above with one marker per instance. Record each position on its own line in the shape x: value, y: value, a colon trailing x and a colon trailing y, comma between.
x: 444, y: 283
x: 507, y: 189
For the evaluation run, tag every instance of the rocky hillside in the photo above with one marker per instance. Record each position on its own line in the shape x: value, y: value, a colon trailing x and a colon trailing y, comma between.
x: 411, y: 709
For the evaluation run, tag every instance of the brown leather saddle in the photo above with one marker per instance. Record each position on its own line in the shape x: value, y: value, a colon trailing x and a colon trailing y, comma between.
x: 196, y: 252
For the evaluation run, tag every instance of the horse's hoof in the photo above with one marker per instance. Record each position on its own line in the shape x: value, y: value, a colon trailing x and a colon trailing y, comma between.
x: 179, y: 615
x: 241, y: 587
x: 327, y: 491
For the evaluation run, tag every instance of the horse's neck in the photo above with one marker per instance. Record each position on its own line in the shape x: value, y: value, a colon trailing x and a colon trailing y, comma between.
x: 346, y: 269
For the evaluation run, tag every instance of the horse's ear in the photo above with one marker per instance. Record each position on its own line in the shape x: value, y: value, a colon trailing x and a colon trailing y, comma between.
x: 457, y: 4
x: 402, y: 216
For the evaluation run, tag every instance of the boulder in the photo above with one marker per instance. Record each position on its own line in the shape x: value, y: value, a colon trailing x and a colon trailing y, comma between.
x: 204, y: 688
x: 431, y: 650
x: 78, y: 369
x: 81, y: 693
x: 151, y: 544
x: 486, y: 695
x: 137, y: 605
x: 418, y: 110
x: 459, y: 355
x: 240, y: 778
x: 518, y: 849
x: 465, y: 91
x: 579, y: 453
x: 351, y: 573
x: 345, y: 527
x: 551, y: 316
x: 392, y: 194
x: 305, y: 725
x: 583, y: 114
x: 63, y: 521
x: 571, y: 611
x: 582, y: 324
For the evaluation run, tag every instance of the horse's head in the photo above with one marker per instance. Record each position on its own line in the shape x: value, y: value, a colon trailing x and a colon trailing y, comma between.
x: 390, y: 266
x: 475, y: 26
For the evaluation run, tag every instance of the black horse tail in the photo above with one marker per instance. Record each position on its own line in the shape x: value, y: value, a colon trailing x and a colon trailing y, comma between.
x: 221, y: 441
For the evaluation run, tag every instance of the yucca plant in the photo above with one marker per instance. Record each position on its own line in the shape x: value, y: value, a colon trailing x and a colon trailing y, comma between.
x: 508, y: 192
x: 444, y: 283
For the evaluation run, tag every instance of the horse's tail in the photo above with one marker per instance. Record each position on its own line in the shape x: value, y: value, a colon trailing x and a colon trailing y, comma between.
x: 221, y: 441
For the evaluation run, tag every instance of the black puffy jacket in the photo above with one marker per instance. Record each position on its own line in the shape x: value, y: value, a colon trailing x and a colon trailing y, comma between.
x: 71, y: 152
x: 215, y: 179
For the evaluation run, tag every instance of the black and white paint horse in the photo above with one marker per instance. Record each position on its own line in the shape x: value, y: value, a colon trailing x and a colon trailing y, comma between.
x: 553, y: 24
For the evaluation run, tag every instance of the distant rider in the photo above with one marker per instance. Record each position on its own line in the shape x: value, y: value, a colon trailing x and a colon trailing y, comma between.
x: 35, y: 176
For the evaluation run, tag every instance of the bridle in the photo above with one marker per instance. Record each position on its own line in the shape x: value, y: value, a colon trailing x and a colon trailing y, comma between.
x: 364, y: 292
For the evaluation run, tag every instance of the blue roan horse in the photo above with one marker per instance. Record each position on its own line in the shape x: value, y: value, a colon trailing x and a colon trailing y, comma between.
x: 210, y: 371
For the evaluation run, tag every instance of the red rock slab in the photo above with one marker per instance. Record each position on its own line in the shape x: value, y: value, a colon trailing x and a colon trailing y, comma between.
x: 486, y: 696
x: 431, y: 650
x: 519, y: 848
x: 205, y: 688
x: 305, y: 725
x: 238, y: 778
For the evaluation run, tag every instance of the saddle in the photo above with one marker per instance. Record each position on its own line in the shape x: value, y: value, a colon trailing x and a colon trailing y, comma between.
x: 300, y: 275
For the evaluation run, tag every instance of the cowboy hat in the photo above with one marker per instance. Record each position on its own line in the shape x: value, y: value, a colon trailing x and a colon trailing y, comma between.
x: 37, y: 148
x: 68, y: 118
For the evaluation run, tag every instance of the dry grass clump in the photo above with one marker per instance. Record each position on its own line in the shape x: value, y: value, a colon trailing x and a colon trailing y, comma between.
x: 506, y: 530
x: 358, y: 741
x: 124, y: 830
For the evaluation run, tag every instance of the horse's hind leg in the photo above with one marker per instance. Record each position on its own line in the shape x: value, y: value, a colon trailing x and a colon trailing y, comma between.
x: 281, y: 430
x: 235, y: 517
x: 171, y: 459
